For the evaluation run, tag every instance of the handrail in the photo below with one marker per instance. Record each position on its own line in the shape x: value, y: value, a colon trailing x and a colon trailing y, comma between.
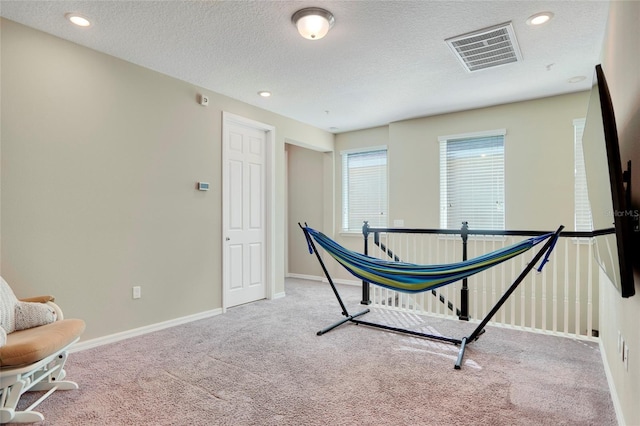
x: 464, y: 232
x: 522, y: 233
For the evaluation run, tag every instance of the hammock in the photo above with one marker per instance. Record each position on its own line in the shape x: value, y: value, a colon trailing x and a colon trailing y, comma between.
x: 412, y: 278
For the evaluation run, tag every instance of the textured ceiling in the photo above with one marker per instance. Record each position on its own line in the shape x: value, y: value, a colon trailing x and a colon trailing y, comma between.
x: 383, y: 61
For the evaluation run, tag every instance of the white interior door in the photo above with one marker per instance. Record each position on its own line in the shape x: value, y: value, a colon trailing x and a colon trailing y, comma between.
x: 244, y: 212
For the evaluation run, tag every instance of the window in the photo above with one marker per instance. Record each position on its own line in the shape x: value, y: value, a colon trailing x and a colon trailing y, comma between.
x: 582, y: 208
x: 472, y: 180
x: 364, y: 188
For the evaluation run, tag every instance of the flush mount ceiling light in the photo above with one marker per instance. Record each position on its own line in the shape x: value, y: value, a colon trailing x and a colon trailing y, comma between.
x: 78, y: 19
x: 264, y: 93
x: 539, y: 18
x: 313, y: 23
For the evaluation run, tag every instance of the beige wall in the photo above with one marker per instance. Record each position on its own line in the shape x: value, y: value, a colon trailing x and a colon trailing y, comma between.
x: 305, y: 205
x: 623, y: 77
x: 538, y: 161
x: 100, y: 159
x: 538, y: 170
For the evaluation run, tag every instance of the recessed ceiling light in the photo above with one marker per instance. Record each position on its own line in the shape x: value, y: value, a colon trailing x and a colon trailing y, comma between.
x: 539, y: 18
x: 577, y: 79
x: 264, y: 93
x: 78, y: 19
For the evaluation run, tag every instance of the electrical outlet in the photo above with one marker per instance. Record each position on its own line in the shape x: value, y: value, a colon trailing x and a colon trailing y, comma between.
x: 137, y: 292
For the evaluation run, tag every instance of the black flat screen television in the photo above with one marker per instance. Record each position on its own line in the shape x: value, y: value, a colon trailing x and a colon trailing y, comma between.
x: 609, y: 189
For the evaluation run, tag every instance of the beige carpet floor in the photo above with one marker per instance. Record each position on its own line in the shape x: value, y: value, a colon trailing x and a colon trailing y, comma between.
x: 262, y: 364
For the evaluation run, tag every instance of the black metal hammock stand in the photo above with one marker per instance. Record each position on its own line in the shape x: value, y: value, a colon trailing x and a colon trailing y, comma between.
x: 413, y: 278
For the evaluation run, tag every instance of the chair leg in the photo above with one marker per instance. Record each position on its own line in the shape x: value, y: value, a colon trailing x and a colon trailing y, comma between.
x: 47, y: 376
x: 8, y: 414
x: 56, y: 374
x: 19, y: 416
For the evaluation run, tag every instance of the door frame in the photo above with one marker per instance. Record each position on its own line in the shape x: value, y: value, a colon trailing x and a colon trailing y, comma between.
x: 269, y: 130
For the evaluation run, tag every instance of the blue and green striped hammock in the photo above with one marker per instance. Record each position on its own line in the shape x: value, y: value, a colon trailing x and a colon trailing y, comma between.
x: 414, y: 278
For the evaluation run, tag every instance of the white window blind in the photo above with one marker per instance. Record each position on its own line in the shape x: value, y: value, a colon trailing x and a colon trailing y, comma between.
x: 364, y: 188
x: 472, y: 181
x: 582, y: 208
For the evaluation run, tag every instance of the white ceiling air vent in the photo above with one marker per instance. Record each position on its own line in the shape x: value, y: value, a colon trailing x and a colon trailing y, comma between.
x: 486, y: 48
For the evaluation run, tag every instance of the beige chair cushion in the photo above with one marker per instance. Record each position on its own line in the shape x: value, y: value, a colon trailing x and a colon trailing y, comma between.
x: 34, y: 344
x: 29, y: 314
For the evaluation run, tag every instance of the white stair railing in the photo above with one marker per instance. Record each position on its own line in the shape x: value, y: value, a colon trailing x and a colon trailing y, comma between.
x: 561, y: 300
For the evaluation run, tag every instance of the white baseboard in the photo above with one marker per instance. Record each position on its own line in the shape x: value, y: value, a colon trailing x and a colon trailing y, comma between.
x: 323, y: 279
x: 304, y: 277
x: 612, y: 388
x: 112, y: 338
x: 345, y: 282
x: 116, y: 337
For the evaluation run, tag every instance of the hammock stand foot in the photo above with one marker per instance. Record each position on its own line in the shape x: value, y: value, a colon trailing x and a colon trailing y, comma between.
x: 342, y: 321
x: 463, y: 346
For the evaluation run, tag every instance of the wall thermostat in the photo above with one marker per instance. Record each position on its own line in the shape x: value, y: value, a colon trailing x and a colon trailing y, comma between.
x: 203, y: 186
